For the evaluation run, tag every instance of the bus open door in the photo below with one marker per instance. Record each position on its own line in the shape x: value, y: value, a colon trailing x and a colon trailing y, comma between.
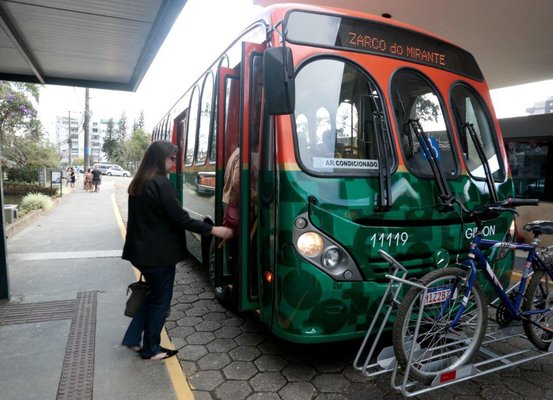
x: 234, y: 266
x: 249, y: 276
x: 222, y: 273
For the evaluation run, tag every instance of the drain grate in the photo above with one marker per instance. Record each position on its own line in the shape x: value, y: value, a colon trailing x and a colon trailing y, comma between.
x: 77, y: 377
x: 26, y: 313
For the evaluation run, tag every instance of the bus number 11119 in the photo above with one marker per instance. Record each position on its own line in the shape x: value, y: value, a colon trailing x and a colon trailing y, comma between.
x: 389, y: 239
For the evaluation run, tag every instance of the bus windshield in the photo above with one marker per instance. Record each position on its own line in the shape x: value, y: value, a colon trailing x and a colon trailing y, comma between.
x: 336, y: 108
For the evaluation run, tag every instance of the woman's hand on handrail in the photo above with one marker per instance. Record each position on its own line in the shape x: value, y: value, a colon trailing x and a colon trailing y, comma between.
x: 222, y: 232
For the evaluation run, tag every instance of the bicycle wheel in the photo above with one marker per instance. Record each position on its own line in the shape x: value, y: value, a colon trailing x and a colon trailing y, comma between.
x: 438, y: 346
x: 539, y: 296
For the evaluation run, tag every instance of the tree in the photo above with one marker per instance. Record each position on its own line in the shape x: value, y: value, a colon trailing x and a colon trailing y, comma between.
x: 21, y: 133
x: 110, y: 142
x: 135, y: 148
x: 16, y: 109
x: 139, y: 123
x: 121, y: 132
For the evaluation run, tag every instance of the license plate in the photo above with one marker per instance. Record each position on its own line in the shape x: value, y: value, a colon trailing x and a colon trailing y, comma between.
x: 437, y: 295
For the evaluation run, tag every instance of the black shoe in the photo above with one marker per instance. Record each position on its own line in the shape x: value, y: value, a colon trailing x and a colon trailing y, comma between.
x: 166, y: 350
x: 165, y: 353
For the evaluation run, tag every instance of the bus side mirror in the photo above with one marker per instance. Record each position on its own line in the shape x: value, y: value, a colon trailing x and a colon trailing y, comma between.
x: 278, y: 73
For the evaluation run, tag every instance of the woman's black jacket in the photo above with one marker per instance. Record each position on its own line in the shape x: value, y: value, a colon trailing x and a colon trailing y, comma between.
x: 156, y: 225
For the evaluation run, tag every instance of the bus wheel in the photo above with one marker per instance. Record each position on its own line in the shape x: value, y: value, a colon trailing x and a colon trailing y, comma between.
x: 223, y: 294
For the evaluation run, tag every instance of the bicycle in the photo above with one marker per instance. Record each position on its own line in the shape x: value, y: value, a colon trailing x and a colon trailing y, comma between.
x: 447, y: 332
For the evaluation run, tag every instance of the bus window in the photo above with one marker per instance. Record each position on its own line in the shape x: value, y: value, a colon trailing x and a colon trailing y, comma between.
x: 329, y: 96
x: 302, y: 130
x: 469, y: 109
x: 346, y: 127
x: 165, y: 130
x: 205, y: 118
x: 192, y: 124
x: 213, y: 134
x: 323, y: 125
x: 415, y: 99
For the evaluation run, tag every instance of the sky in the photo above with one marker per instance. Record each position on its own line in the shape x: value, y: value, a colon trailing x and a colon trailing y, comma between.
x: 168, y: 78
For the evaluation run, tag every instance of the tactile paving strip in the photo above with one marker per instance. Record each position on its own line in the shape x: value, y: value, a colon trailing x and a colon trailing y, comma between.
x: 26, y: 313
x: 77, y: 376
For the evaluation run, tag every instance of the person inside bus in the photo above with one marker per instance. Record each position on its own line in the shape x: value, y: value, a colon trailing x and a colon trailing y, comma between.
x: 231, y: 191
x: 154, y: 245
x: 328, y: 146
x: 231, y: 204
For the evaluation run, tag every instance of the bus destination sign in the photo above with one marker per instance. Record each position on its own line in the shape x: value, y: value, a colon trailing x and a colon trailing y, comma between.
x: 373, y: 37
x: 365, y: 41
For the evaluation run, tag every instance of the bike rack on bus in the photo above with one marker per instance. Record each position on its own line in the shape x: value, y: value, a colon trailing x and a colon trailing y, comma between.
x: 488, y: 359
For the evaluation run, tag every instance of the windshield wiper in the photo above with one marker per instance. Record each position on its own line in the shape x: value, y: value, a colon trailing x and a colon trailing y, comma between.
x: 447, y: 199
x: 384, y: 174
x: 483, y: 159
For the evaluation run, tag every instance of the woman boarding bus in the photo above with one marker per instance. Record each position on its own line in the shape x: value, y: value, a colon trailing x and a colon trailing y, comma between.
x: 356, y: 133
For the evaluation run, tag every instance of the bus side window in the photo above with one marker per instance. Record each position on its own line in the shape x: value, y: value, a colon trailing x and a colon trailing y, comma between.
x: 192, y: 125
x: 205, y: 118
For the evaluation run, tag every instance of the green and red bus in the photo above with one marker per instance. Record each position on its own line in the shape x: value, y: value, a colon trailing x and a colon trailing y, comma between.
x: 356, y: 133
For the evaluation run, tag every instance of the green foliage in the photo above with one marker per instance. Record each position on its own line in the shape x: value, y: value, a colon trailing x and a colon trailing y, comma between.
x: 110, y: 142
x: 16, y: 109
x: 21, y: 133
x: 139, y: 124
x: 23, y: 174
x: 35, y: 201
x: 24, y: 151
x: 121, y: 133
x: 427, y: 108
x: 135, y: 148
x: 78, y: 161
x: 124, y: 151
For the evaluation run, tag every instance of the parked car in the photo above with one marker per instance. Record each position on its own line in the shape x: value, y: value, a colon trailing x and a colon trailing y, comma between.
x: 103, y: 167
x: 116, y: 170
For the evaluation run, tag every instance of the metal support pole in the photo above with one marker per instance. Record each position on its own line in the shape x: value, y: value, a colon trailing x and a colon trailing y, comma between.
x: 4, y: 278
x: 86, y: 127
x: 69, y: 140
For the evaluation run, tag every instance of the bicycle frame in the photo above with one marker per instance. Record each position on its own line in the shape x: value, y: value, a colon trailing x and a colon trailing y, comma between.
x: 477, y: 261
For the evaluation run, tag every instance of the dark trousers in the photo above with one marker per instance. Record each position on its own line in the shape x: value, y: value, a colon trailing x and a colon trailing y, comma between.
x: 150, y: 318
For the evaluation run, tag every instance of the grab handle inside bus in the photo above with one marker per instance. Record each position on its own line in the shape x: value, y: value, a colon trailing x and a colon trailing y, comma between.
x: 278, y: 72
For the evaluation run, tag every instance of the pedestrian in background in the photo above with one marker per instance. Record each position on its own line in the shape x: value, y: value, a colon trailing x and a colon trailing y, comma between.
x: 67, y: 176
x: 88, y: 180
x: 96, y: 179
x: 155, y: 243
x: 72, y: 177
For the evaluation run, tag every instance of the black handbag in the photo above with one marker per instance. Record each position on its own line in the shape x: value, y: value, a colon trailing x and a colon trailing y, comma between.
x: 139, y: 291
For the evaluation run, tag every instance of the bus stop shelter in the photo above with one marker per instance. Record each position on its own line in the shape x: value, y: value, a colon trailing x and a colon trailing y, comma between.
x: 94, y: 44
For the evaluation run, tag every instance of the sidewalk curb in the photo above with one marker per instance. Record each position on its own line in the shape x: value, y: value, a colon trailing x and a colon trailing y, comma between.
x: 27, y: 219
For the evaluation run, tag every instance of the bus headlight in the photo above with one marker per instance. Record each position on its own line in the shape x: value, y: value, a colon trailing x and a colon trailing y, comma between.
x: 332, y: 257
x: 323, y: 251
x: 310, y: 244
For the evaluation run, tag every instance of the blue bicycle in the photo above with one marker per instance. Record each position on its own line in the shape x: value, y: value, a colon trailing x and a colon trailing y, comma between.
x: 439, y: 329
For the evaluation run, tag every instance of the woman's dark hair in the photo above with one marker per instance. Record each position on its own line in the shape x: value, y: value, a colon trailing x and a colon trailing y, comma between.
x: 152, y: 163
